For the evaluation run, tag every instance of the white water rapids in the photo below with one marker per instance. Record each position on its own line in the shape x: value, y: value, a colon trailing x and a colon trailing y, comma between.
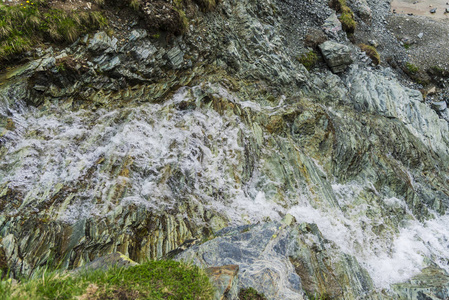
x: 48, y: 148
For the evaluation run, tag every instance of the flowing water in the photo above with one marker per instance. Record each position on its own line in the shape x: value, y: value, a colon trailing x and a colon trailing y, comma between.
x: 147, y: 143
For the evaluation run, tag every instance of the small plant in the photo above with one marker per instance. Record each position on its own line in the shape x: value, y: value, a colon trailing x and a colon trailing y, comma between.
x: 371, y: 52
x: 411, y: 68
x: 406, y: 46
x: 250, y: 294
x: 309, y: 59
x: 134, y: 4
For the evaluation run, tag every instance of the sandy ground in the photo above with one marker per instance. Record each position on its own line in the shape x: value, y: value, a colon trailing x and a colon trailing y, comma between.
x: 422, y: 8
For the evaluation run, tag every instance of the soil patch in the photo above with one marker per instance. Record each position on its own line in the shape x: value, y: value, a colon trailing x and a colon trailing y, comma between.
x: 422, y: 8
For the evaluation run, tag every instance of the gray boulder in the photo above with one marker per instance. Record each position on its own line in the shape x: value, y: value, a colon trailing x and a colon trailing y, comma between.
x: 284, y: 260
x: 337, y: 56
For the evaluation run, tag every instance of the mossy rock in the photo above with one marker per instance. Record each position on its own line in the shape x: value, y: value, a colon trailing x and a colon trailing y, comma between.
x: 309, y: 60
x: 371, y: 52
x: 346, y: 17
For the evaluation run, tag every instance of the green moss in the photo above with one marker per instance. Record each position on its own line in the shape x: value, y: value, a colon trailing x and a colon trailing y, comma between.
x: 346, y: 15
x: 163, y: 279
x: 319, y: 297
x: 347, y: 20
x: 250, y: 294
x: 309, y: 59
x: 411, y: 68
x: 371, y: 52
x: 24, y: 26
x: 438, y: 71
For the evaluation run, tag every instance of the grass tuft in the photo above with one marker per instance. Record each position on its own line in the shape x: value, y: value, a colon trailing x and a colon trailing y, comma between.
x: 371, y: 52
x: 346, y: 15
x: 134, y: 4
x: 411, y: 68
x: 165, y: 279
x: 24, y: 26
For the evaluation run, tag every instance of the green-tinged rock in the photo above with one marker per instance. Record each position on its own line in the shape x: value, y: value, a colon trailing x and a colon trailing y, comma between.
x: 225, y: 280
x: 431, y: 283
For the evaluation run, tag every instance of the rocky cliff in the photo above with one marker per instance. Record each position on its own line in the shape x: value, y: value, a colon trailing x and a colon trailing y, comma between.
x: 315, y: 183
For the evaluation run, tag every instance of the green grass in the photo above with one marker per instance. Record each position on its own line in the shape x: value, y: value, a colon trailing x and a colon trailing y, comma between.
x: 309, y: 59
x: 24, y: 26
x: 165, y: 279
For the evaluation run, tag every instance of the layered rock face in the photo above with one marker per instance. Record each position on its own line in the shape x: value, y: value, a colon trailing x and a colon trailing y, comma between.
x: 137, y: 144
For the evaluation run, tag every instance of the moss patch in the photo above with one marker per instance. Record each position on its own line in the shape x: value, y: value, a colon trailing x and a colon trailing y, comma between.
x: 250, y: 294
x: 411, y: 68
x: 309, y: 59
x: 164, y: 279
x: 371, y: 52
x: 346, y: 15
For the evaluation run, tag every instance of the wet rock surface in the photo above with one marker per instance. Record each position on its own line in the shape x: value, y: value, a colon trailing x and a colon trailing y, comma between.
x: 139, y: 143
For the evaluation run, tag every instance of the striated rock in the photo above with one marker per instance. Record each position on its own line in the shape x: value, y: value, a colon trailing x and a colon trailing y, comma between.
x: 175, y: 57
x: 165, y: 141
x: 332, y: 26
x: 261, y: 254
x: 431, y: 283
x: 283, y: 261
x: 385, y: 96
x: 101, y: 42
x: 337, y: 56
x: 137, y: 34
x: 226, y: 281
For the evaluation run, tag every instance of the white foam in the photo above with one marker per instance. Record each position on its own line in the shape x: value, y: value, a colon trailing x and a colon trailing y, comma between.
x: 198, y: 154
